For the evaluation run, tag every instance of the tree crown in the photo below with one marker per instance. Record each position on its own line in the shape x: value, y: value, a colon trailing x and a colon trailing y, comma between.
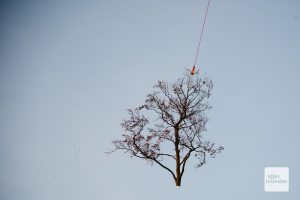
x: 173, y: 113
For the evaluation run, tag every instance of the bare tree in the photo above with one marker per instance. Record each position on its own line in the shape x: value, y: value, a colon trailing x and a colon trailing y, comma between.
x: 175, y: 114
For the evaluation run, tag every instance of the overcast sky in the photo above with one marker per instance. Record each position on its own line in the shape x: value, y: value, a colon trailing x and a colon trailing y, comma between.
x: 69, y: 70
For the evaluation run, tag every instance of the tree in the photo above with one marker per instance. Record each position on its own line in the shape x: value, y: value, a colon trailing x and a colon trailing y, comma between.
x: 176, y: 114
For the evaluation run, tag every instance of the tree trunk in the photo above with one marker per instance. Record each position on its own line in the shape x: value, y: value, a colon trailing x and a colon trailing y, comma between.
x: 178, y: 178
x: 178, y: 181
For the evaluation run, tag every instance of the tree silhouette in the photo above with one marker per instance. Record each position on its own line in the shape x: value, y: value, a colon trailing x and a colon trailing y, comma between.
x: 170, y: 125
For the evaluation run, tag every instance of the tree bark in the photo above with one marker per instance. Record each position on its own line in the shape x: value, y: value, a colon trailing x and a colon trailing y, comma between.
x: 178, y: 175
x: 178, y: 181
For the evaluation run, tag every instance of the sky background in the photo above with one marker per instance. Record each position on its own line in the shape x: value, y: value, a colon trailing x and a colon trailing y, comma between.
x: 70, y: 69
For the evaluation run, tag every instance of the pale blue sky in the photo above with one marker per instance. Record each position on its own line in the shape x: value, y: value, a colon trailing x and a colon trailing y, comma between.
x: 69, y: 70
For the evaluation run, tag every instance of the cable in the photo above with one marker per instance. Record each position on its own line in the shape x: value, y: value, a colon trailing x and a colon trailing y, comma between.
x: 203, y: 25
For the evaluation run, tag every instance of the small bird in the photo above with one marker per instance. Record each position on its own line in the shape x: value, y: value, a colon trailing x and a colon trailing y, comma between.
x: 193, y: 70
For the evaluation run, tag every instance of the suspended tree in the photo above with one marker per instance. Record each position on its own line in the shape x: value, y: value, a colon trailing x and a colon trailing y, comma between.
x: 169, y: 127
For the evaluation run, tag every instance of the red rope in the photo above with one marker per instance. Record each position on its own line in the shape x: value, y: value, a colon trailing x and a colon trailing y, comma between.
x: 201, y: 33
